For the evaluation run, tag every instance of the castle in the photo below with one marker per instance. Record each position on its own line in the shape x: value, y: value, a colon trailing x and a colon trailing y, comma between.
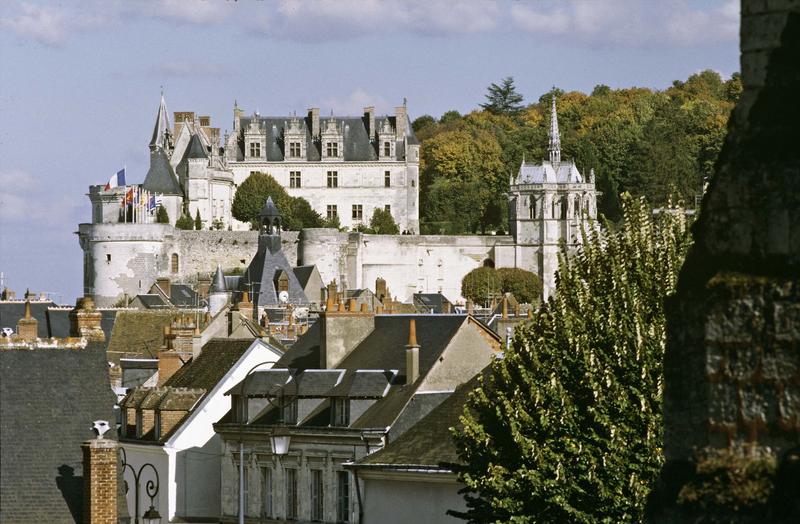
x: 337, y: 163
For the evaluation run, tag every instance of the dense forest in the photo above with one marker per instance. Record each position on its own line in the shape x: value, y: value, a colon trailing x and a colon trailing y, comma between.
x: 657, y: 144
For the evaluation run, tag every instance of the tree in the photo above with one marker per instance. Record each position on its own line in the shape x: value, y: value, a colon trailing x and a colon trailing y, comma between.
x: 449, y: 117
x: 480, y: 284
x: 297, y: 213
x: 198, y: 222
x: 332, y: 222
x: 185, y: 222
x: 162, y: 217
x: 524, y: 285
x: 382, y: 223
x: 424, y: 125
x: 503, y: 99
x: 567, y: 426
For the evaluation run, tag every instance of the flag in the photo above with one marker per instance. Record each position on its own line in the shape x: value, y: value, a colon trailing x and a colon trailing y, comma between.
x: 129, y: 196
x: 117, y: 180
x: 151, y: 203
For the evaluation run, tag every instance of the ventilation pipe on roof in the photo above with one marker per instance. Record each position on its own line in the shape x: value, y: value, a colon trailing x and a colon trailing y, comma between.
x: 412, y: 353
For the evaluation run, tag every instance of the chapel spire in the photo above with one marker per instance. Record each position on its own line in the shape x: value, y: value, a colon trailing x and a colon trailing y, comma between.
x: 555, y: 137
x: 161, y: 129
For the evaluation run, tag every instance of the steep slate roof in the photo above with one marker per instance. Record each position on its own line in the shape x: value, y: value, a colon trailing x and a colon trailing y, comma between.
x: 264, y: 267
x: 161, y: 177
x: 48, y: 400
x: 428, y: 442
x: 544, y: 173
x: 195, y: 149
x: 11, y: 312
x: 357, y: 144
x: 303, y: 273
x: 430, y: 302
x: 218, y: 282
x: 217, y: 358
x: 152, y: 301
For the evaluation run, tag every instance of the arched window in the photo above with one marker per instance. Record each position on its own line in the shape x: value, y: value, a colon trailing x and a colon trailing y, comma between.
x: 174, y: 262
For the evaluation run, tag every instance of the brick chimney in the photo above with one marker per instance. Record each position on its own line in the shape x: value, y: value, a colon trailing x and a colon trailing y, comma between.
x: 100, y: 481
x: 164, y: 284
x: 27, y: 326
x: 245, y: 307
x: 380, y: 289
x: 341, y: 331
x: 168, y: 363
x: 85, y: 320
x: 412, y: 353
x: 369, y: 116
x: 313, y: 115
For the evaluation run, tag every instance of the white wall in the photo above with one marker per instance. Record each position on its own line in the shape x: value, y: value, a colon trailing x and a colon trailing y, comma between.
x: 403, y: 502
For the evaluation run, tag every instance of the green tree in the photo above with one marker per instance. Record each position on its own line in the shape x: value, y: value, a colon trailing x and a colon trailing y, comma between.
x: 524, y: 285
x: 198, y: 222
x: 567, y: 427
x: 382, y: 223
x: 297, y: 213
x: 424, y: 126
x: 450, y: 117
x: 332, y: 222
x: 162, y: 217
x: 480, y: 284
x: 185, y: 222
x: 503, y: 99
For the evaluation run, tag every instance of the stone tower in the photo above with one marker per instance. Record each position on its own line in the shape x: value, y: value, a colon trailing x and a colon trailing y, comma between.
x: 548, y: 202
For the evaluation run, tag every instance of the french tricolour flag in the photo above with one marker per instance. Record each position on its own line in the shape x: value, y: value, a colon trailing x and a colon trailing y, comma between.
x: 117, y: 180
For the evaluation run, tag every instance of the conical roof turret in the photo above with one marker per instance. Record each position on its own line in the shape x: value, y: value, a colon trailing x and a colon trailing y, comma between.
x: 269, y: 210
x: 218, y: 284
x: 555, y: 136
x: 161, y: 129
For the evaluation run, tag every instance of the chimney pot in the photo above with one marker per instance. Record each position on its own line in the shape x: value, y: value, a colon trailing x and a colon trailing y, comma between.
x: 364, y: 307
x: 352, y: 305
x: 412, y: 353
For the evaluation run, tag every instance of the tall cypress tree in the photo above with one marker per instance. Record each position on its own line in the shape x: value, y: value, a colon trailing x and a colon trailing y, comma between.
x: 567, y: 426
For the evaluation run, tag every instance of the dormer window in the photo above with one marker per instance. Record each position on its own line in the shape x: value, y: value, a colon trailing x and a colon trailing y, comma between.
x: 294, y: 149
x: 387, y: 149
x: 240, y: 407
x: 255, y: 149
x: 340, y: 412
x: 332, y: 149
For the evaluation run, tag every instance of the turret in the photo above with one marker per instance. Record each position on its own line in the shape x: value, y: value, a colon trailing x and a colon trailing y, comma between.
x: 218, y: 292
x: 555, y: 137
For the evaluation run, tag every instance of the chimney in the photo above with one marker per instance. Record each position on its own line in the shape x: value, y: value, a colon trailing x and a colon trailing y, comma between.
x: 169, y: 362
x: 313, y: 115
x: 470, y: 307
x: 369, y: 116
x: 197, y: 342
x: 27, y: 326
x: 329, y: 304
x: 100, y: 480
x: 332, y: 291
x: 412, y: 354
x: 364, y: 307
x: 400, y: 120
x: 446, y: 308
x: 205, y: 121
x: 163, y: 283
x: 516, y: 309
x: 380, y: 288
x: 245, y: 307
x: 85, y: 320
x: 352, y: 305
x: 341, y: 331
x: 379, y: 310
x: 505, y: 307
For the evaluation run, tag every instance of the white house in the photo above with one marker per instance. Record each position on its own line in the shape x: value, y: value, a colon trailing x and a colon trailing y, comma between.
x: 171, y: 427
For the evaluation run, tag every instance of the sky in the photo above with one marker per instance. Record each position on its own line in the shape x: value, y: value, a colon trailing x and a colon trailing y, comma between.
x: 80, y: 81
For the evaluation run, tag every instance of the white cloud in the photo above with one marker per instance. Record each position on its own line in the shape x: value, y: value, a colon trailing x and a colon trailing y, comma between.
x: 630, y: 22
x: 25, y: 199
x: 46, y: 25
x: 354, y: 103
x: 184, y: 11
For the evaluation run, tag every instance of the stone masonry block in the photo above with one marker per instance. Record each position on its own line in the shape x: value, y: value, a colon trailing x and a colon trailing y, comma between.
x: 762, y: 31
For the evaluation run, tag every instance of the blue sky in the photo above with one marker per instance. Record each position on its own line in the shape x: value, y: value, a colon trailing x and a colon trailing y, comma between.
x: 80, y: 81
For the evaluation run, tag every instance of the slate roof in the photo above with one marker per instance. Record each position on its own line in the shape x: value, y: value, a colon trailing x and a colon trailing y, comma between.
x: 217, y: 358
x: 182, y: 295
x: 52, y: 321
x: 264, y: 267
x: 218, y: 282
x: 431, y: 302
x: 152, y: 301
x: 364, y: 383
x: 161, y: 177
x: 303, y: 273
x: 357, y: 144
x: 48, y: 400
x: 195, y: 149
x: 428, y: 442
x: 138, y: 333
x: 545, y: 173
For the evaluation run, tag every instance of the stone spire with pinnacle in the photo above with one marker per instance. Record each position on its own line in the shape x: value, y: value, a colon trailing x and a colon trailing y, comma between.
x: 555, y: 137
x: 161, y: 129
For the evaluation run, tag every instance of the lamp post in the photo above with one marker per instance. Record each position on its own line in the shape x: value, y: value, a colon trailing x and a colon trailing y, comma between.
x: 279, y: 444
x: 151, y: 516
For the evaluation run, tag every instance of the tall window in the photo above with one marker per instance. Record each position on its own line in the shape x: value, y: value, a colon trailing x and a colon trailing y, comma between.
x: 358, y: 212
x: 255, y: 149
x: 316, y: 494
x: 294, y: 178
x: 332, y: 212
x: 387, y: 179
x: 289, y: 411
x: 332, y: 149
x: 174, y: 262
x: 343, y: 496
x: 294, y: 149
x: 333, y: 179
x: 340, y: 413
x: 266, y: 492
x: 291, y: 494
x: 387, y: 149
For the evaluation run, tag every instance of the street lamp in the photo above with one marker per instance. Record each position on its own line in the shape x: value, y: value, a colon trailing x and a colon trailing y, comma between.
x: 151, y: 516
x: 278, y: 443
